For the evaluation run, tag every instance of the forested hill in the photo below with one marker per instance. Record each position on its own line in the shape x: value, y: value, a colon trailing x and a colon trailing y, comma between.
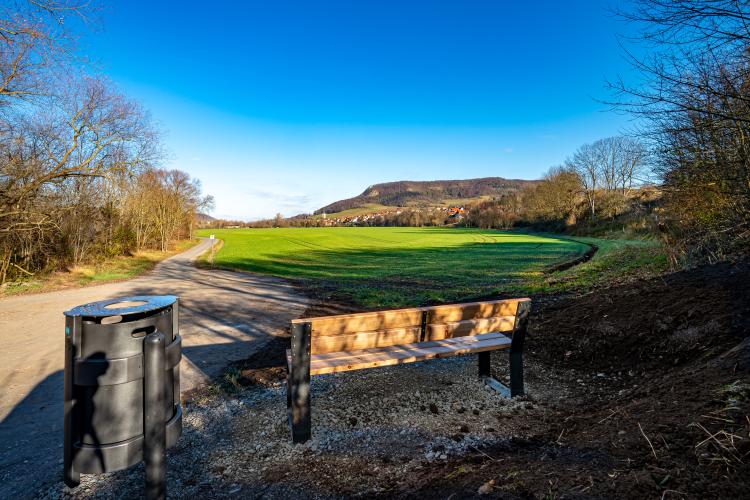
x: 425, y: 193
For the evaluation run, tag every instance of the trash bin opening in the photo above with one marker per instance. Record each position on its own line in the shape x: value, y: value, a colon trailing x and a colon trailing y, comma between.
x: 126, y: 303
x: 142, y: 332
x: 111, y: 320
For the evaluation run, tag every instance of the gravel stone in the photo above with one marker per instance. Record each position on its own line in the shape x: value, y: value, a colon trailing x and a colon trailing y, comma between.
x: 369, y: 420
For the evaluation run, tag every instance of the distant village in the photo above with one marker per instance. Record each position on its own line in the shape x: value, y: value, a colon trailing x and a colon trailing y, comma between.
x: 417, y: 216
x: 450, y: 214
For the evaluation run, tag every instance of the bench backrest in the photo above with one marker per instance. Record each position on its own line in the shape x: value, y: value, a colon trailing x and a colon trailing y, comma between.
x: 349, y: 332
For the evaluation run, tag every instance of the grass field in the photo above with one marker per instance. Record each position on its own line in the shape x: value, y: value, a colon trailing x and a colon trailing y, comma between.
x: 394, y: 267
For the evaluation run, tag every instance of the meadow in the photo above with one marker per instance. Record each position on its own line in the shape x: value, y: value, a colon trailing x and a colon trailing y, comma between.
x: 377, y: 267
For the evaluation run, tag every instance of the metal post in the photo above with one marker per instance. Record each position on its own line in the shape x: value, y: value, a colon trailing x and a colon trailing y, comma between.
x: 175, y: 334
x: 485, y: 369
x: 154, y: 428
x: 299, y: 383
x: 516, y: 348
x: 71, y: 476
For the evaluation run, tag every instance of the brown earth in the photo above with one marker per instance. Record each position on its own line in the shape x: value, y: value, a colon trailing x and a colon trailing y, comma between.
x: 665, y: 370
x: 651, y: 399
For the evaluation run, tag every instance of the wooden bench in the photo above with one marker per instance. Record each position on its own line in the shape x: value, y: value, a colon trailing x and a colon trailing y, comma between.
x: 346, y: 342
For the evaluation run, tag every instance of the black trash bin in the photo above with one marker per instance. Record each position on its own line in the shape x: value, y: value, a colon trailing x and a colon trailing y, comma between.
x: 122, y: 386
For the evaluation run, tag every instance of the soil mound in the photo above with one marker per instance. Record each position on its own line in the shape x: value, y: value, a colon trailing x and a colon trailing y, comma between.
x: 656, y: 383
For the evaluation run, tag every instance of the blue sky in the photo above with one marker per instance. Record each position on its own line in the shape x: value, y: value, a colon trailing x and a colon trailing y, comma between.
x: 284, y: 106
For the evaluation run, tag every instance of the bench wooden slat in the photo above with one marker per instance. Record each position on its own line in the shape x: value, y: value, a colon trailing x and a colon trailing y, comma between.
x: 405, y: 353
x: 364, y: 322
x: 403, y: 318
x: 472, y: 310
x: 441, y: 331
x: 364, y: 340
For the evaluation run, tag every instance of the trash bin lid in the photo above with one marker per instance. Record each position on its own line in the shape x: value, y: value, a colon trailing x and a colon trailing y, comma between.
x: 122, y: 306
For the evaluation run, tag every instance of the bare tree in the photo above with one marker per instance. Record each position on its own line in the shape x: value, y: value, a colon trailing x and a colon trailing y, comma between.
x: 586, y: 162
x: 77, y: 158
x: 88, y: 132
x: 176, y: 200
x: 613, y: 164
x: 622, y: 162
x: 279, y: 220
x: 695, y: 95
x: 36, y: 42
x: 556, y: 199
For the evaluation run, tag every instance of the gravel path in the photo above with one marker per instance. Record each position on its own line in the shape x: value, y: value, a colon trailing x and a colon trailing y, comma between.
x: 224, y: 317
x: 372, y: 429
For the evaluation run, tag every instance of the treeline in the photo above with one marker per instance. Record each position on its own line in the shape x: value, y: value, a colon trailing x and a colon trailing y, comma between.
x: 78, y: 176
x: 598, y: 184
x: 414, y: 217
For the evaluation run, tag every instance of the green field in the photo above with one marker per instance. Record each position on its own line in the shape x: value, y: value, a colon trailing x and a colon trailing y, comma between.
x: 379, y: 267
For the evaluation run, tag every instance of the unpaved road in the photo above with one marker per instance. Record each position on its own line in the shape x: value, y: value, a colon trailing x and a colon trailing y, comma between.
x: 224, y: 317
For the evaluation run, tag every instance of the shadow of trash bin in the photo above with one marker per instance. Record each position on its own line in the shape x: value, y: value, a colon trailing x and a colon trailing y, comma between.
x: 122, y: 387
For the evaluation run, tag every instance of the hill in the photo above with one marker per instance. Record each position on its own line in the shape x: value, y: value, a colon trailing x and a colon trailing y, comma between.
x: 427, y: 193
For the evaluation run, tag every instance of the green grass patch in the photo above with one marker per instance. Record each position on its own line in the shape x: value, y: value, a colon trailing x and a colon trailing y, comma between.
x: 380, y: 267
x: 616, y: 261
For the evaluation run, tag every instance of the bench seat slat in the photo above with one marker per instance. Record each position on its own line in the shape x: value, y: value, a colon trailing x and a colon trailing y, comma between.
x: 377, y: 350
x: 405, y: 353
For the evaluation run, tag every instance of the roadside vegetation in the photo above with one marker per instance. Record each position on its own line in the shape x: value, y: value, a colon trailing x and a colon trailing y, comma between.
x: 118, y: 268
x: 80, y: 183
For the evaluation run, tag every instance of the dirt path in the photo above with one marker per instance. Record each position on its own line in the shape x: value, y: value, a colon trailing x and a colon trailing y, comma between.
x: 224, y: 317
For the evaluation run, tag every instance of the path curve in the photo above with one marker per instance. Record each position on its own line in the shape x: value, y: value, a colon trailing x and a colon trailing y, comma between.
x: 224, y: 316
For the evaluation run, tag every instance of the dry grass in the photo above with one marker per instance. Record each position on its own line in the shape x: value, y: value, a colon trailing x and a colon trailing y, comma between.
x: 100, y: 271
x: 724, y: 429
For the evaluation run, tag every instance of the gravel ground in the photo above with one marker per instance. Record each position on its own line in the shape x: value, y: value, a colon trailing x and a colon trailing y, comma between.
x: 372, y: 429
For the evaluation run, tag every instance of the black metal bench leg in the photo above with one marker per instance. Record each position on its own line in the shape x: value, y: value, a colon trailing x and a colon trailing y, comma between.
x: 516, y: 374
x: 289, y: 395
x: 516, y: 349
x: 300, y: 413
x: 298, y: 388
x: 485, y: 369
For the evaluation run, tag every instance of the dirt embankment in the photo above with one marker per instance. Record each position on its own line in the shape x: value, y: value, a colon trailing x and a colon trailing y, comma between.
x: 659, y: 374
